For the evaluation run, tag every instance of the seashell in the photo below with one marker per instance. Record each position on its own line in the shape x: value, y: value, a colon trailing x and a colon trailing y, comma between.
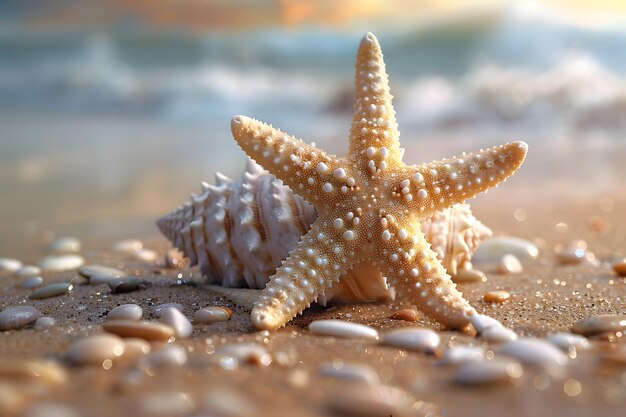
x: 239, y: 231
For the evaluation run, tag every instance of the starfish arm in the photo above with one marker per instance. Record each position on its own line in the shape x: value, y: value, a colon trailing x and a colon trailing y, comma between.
x: 415, y: 270
x: 432, y: 187
x: 314, y: 265
x: 309, y: 171
x: 374, y: 133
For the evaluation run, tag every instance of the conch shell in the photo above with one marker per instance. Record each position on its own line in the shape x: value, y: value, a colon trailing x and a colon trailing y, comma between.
x: 238, y: 232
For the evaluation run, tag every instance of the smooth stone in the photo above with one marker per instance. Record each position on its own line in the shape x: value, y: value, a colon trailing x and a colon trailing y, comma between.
x: 208, y: 315
x: 361, y: 400
x: 462, y: 354
x: 169, y: 355
x: 65, y: 245
x: 142, y: 329
x: 124, y: 285
x: 43, y: 323
x: 496, y: 334
x: 127, y: 246
x: 135, y: 348
x: 31, y: 282
x: 177, y: 320
x: 33, y: 371
x: 13, y: 318
x: 419, y: 340
x: 568, y: 341
x: 354, y: 372
x: 493, y: 249
x: 51, y: 290
x: 407, y: 314
x: 469, y: 275
x: 620, y: 268
x: 509, y: 264
x: 249, y: 353
x: 96, y: 349
x: 98, y: 274
x: 495, y: 371
x: 341, y: 328
x: 496, y: 296
x: 125, y: 312
x: 9, y: 265
x: 159, y: 309
x: 482, y: 322
x: 59, y: 263
x: 51, y: 410
x: 600, y: 324
x: 28, y: 271
x: 146, y: 255
x: 571, y: 256
x: 535, y: 352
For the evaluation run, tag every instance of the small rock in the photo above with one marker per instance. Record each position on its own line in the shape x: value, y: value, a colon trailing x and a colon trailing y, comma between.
x: 142, y: 329
x: 13, y: 318
x: 509, y: 264
x: 419, y: 340
x: 59, y: 263
x: 620, y: 268
x: 175, y: 319
x: 482, y: 322
x: 600, y: 324
x: 492, y: 250
x: 469, y: 275
x: 249, y: 353
x: 9, y: 265
x: 495, y: 371
x: 43, y: 323
x: 134, y: 349
x: 51, y: 290
x: 496, y: 296
x: 159, y: 309
x: 354, y: 372
x: 212, y: 314
x: 65, y: 245
x: 32, y: 371
x: 462, y: 354
x: 124, y: 285
x: 125, y: 312
x: 567, y: 341
x: 369, y: 401
x: 31, y: 282
x: 128, y: 246
x: 146, y: 255
x: 28, y: 271
x: 341, y: 328
x: 497, y: 334
x: 535, y: 352
x: 407, y: 314
x: 98, y: 274
x: 170, y: 355
x: 96, y: 349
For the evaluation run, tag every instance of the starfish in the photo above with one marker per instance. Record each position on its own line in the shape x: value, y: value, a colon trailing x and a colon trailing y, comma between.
x: 369, y: 204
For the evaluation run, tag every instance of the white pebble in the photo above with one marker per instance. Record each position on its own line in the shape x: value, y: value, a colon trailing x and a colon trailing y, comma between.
x: 355, y: 372
x: 98, y: 274
x: 146, y: 255
x: 125, y: 312
x: 212, y: 315
x: 462, y: 354
x: 567, y: 341
x: 497, y: 334
x: 535, y: 352
x: 31, y: 282
x: 58, y: 263
x: 482, y: 322
x: 13, y: 318
x: 43, y: 323
x: 65, y: 245
x: 28, y: 271
x: 509, y: 264
x: 94, y: 350
x: 419, y: 340
x: 9, y: 265
x: 492, y: 250
x: 170, y: 355
x: 51, y: 290
x: 159, y: 309
x: 174, y: 318
x: 494, y: 371
x: 340, y: 328
x: 127, y: 246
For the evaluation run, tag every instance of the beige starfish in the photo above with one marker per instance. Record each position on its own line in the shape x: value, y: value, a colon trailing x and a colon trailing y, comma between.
x: 370, y: 204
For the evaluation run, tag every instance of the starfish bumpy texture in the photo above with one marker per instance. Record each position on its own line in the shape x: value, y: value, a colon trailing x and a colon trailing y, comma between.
x: 369, y: 203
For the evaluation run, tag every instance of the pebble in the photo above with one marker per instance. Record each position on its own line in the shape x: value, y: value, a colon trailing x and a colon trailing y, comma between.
x: 536, y: 352
x: 600, y: 324
x: 51, y: 410
x: 124, y: 285
x: 9, y: 265
x: 212, y: 314
x: 568, y: 341
x: 492, y: 250
x: 341, y: 328
x: 135, y: 348
x: 43, y: 323
x: 407, y: 314
x: 28, y: 271
x: 146, y: 330
x: 495, y: 371
x: 369, y: 401
x: 159, y: 309
x: 32, y: 370
x: 13, y: 318
x: 497, y: 334
x: 125, y: 312
x: 146, y: 255
x: 98, y: 274
x: 31, y: 282
x: 177, y: 320
x: 51, y: 290
x: 169, y: 355
x: 574, y: 253
x: 249, y: 353
x: 462, y: 354
x: 469, y: 275
x: 482, y: 322
x: 496, y: 296
x: 509, y: 264
x: 59, y: 263
x: 127, y: 246
x: 354, y: 372
x: 419, y: 340
x: 94, y: 350
x: 65, y: 245
x: 620, y: 268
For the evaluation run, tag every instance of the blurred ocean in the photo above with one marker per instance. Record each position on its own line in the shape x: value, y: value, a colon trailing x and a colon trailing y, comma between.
x: 100, y: 126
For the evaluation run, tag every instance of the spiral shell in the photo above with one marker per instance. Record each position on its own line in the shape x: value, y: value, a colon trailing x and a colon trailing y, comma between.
x: 238, y: 232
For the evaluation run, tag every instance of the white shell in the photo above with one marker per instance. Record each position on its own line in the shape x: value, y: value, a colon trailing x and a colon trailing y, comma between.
x: 238, y: 232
